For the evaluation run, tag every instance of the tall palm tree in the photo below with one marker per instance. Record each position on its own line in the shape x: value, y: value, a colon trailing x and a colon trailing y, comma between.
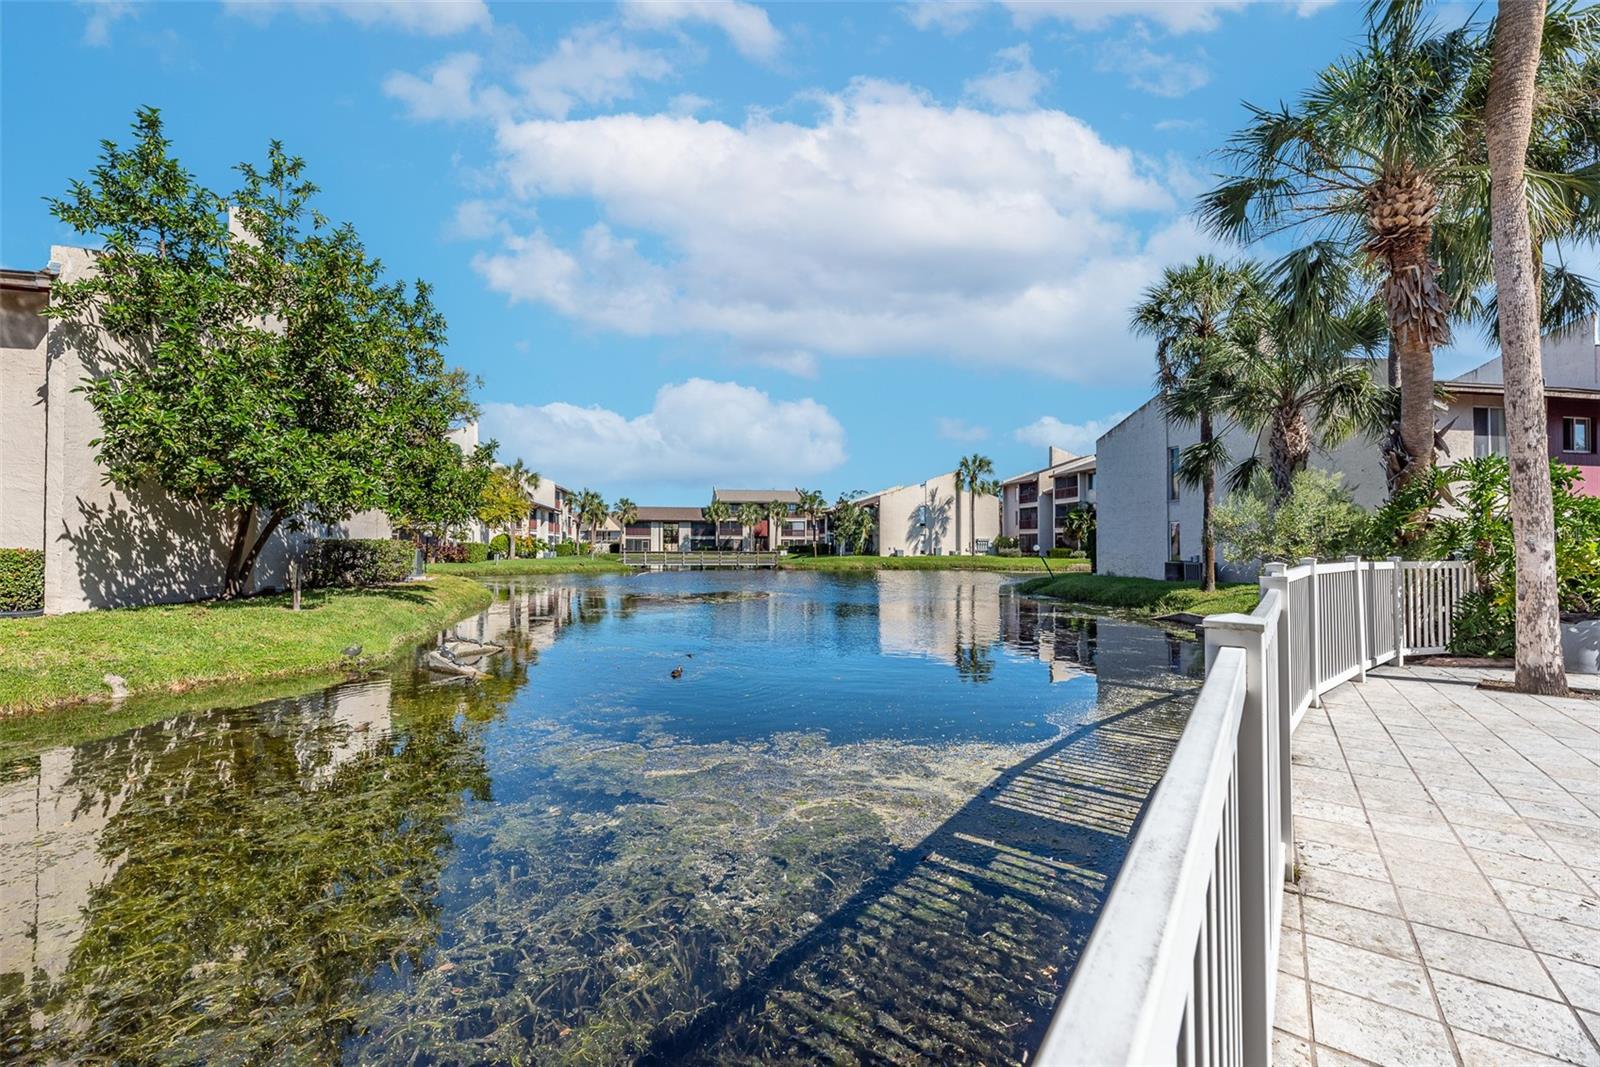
x: 971, y: 472
x: 773, y: 509
x: 1298, y: 376
x: 1508, y: 125
x: 1384, y: 157
x: 749, y: 516
x: 592, y: 512
x: 716, y: 513
x: 1190, y: 313
x: 527, y: 483
x: 813, y: 505
x: 626, y: 512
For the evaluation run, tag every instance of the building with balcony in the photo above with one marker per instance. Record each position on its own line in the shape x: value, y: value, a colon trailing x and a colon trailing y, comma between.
x: 1034, y: 507
x: 793, y: 528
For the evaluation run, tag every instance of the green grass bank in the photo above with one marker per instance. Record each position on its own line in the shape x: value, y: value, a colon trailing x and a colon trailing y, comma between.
x: 64, y: 659
x: 1019, y: 564
x: 511, y: 568
x: 1145, y: 596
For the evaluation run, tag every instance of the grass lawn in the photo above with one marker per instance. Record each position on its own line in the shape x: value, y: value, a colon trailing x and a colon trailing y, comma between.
x: 928, y: 563
x: 64, y: 658
x: 1145, y: 595
x: 510, y: 568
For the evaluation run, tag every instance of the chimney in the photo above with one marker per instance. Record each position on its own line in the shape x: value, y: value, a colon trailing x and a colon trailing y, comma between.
x: 1059, y: 456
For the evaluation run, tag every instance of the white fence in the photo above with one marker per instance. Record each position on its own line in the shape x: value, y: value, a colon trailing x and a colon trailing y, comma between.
x: 1180, y: 967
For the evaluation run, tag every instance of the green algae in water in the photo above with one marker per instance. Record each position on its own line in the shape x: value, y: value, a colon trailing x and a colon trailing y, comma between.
x: 415, y: 875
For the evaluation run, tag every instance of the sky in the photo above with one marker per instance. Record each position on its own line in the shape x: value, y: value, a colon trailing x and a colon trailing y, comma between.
x: 835, y: 246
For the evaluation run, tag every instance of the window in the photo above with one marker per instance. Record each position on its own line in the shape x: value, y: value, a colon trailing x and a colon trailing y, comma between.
x: 1577, y: 434
x: 1488, y: 432
x: 1088, y: 480
x: 1174, y: 540
x: 1172, y: 475
x: 1028, y: 519
x: 1027, y: 492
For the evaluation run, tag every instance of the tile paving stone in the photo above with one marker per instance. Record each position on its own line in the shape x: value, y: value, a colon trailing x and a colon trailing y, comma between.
x: 1491, y: 961
x: 1484, y: 808
x: 1376, y: 1032
x: 1515, y: 1018
x: 1367, y: 974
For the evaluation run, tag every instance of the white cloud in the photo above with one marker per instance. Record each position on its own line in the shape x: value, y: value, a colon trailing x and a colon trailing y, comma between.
x: 102, y: 14
x: 688, y: 104
x: 1169, y: 125
x: 433, y: 18
x: 696, y: 432
x: 1174, y: 16
x: 888, y: 226
x: 798, y: 363
x: 746, y: 25
x: 475, y: 220
x: 446, y: 93
x: 951, y: 16
x: 1077, y: 437
x: 1011, y: 84
x: 1161, y: 73
x: 592, y: 66
x: 960, y: 430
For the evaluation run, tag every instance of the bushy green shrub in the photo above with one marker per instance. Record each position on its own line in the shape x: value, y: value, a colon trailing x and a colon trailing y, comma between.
x: 1317, y: 518
x: 357, y: 562
x: 499, y: 545
x: 476, y: 551
x: 1068, y: 553
x: 447, y: 552
x: 1002, y: 542
x: 21, y: 579
x: 528, y: 547
x: 1481, y: 628
x: 566, y: 548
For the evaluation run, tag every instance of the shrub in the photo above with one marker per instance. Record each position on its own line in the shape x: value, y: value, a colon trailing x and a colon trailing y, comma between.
x: 1068, y: 553
x: 475, y: 552
x: 528, y: 547
x: 566, y: 548
x: 1011, y: 551
x: 448, y: 552
x: 21, y: 579
x: 1481, y: 628
x: 1002, y: 543
x: 356, y: 562
x: 500, y: 545
x: 1317, y: 518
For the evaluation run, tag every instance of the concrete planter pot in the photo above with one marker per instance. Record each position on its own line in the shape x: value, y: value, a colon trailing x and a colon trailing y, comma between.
x: 1580, y: 644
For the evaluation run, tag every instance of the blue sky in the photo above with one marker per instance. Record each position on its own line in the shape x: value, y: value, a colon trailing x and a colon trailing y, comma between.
x: 829, y: 245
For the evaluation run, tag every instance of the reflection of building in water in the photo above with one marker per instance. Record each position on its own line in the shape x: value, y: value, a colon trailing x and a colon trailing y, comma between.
x: 360, y: 724
x: 522, y: 618
x: 954, y: 619
x: 1073, y: 645
x: 49, y: 840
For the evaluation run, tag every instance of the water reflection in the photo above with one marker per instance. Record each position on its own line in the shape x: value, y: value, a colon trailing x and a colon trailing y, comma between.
x: 823, y: 840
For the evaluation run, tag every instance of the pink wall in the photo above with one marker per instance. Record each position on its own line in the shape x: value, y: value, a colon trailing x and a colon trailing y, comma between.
x: 1587, y: 462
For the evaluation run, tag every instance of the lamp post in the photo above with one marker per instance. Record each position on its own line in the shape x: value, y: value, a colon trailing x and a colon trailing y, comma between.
x: 1045, y: 560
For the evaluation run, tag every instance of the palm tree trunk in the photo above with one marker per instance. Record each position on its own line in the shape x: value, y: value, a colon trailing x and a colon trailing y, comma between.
x: 1415, y: 353
x: 1208, y: 504
x: 1508, y: 120
x: 1289, y: 449
x: 960, y: 544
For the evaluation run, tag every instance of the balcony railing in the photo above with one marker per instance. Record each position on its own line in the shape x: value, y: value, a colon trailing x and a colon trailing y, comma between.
x: 1180, y: 967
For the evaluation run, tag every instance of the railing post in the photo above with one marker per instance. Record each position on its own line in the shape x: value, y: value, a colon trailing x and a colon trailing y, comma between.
x: 1314, y: 629
x: 1359, y: 574
x: 1256, y: 780
x: 1399, y: 612
x: 1277, y: 577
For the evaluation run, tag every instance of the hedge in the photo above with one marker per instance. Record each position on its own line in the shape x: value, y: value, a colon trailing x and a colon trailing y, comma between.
x: 476, y: 552
x: 21, y: 579
x: 352, y: 562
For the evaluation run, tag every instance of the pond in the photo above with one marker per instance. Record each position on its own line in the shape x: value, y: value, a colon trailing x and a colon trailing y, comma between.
x: 871, y: 818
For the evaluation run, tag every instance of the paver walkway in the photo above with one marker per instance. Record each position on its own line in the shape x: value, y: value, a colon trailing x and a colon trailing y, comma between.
x: 1448, y: 905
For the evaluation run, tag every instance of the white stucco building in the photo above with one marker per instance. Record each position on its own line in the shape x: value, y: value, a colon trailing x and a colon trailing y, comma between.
x: 920, y: 519
x: 1034, y: 506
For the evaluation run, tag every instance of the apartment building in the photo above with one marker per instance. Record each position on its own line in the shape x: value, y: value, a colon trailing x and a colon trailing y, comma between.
x: 1150, y: 523
x: 920, y: 519
x: 793, y: 528
x: 1034, y: 507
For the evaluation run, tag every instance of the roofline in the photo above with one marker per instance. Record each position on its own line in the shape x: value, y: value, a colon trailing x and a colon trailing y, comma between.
x: 1564, y: 392
x: 28, y: 280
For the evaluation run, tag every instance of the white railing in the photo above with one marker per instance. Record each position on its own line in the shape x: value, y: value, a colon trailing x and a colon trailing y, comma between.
x: 1180, y: 967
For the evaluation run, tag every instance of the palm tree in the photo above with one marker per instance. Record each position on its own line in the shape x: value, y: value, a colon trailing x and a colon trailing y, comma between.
x: 813, y: 505
x: 773, y: 509
x: 716, y: 513
x: 1080, y: 522
x: 1384, y: 157
x: 970, y: 472
x: 592, y: 511
x: 1190, y: 313
x: 625, y: 512
x: 1296, y: 377
x: 749, y: 515
x: 1508, y: 124
x: 527, y: 483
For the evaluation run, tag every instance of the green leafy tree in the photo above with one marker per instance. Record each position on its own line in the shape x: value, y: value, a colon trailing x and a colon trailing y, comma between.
x: 270, y: 376
x: 1316, y: 517
x: 506, y: 498
x: 1191, y: 315
x: 1080, y: 526
x: 716, y: 513
x: 813, y: 505
x: 853, y: 523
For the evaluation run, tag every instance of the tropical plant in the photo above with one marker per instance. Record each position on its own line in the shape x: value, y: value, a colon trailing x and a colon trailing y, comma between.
x: 813, y: 505
x: 1191, y: 315
x: 774, y: 510
x: 1296, y: 372
x: 1508, y: 127
x: 1316, y: 517
x: 973, y: 473
x: 592, y: 511
x: 716, y: 513
x: 506, y: 498
x: 626, y: 512
x: 1383, y: 158
x: 1080, y: 526
x: 749, y: 516
x: 853, y: 523
x: 272, y: 378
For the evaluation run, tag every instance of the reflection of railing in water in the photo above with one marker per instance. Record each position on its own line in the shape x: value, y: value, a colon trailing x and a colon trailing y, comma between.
x: 955, y: 952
